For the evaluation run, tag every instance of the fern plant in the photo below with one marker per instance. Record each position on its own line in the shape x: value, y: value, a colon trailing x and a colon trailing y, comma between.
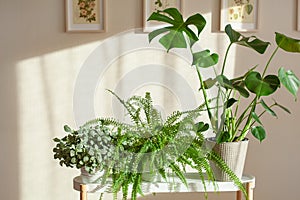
x: 148, y: 144
x: 151, y: 144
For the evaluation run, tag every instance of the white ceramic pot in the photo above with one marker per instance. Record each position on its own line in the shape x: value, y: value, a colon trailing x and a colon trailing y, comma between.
x: 91, y: 178
x: 233, y: 154
x: 153, y: 177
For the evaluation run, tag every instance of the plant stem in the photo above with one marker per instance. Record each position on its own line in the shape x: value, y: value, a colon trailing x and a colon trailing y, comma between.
x: 219, y: 133
x: 225, y: 58
x: 261, y: 114
x: 202, y: 88
x: 269, y: 61
x: 249, y: 121
x: 203, y: 92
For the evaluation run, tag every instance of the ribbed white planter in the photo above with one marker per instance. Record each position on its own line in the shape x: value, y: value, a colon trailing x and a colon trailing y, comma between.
x: 233, y: 154
x: 90, y: 178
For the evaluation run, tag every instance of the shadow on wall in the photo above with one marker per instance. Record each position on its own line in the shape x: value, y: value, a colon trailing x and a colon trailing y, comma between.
x: 9, y: 142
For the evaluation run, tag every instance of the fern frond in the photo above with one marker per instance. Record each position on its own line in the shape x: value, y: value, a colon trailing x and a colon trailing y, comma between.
x: 216, y: 158
x: 125, y: 191
x: 144, y: 103
x: 176, y: 169
x: 137, y: 179
x: 130, y: 109
x: 108, y: 122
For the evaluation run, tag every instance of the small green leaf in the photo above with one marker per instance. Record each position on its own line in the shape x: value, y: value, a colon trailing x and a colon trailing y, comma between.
x: 289, y: 80
x: 56, y: 140
x: 224, y: 81
x: 267, y: 108
x: 209, y: 83
x: 204, y: 59
x: 233, y: 35
x: 240, y: 88
x: 256, y: 117
x: 87, y: 168
x: 286, y: 43
x: 72, y: 153
x: 67, y: 129
x: 258, y: 132
x: 261, y: 87
x: 230, y: 102
x: 86, y: 159
x: 201, y: 127
x: 73, y: 160
x: 224, y: 137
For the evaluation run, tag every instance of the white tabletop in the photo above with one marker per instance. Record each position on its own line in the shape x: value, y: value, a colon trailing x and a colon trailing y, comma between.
x: 174, y: 185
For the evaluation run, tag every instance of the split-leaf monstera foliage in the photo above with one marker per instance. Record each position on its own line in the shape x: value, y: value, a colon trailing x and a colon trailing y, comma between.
x: 235, y: 122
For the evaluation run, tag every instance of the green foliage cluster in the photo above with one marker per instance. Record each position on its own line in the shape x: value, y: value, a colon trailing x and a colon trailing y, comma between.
x: 154, y: 145
x: 89, y: 147
x: 149, y: 144
x: 235, y: 122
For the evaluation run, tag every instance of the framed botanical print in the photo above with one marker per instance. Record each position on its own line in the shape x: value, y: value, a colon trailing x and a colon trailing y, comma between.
x: 241, y: 14
x: 85, y: 15
x: 150, y: 6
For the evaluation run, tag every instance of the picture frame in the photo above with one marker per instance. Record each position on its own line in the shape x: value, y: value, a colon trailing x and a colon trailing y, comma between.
x: 150, y: 6
x: 85, y: 15
x: 241, y: 14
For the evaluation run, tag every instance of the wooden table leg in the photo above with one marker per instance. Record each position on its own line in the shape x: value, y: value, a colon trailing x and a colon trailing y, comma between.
x: 249, y: 188
x: 83, y: 192
x: 239, y: 195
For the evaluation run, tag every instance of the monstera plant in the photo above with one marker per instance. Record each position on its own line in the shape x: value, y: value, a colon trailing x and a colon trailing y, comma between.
x: 178, y: 33
x: 233, y: 112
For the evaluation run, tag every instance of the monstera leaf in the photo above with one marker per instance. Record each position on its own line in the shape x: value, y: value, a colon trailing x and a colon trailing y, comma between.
x: 204, y: 59
x: 174, y: 33
x: 288, y: 44
x: 250, y: 42
x: 289, y: 80
x: 261, y: 86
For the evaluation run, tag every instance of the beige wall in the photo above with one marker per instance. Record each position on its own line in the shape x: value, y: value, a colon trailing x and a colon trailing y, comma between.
x: 39, y: 65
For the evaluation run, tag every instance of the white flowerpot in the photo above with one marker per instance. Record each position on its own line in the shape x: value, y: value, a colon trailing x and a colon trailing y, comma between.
x: 153, y: 177
x: 233, y: 154
x: 86, y: 177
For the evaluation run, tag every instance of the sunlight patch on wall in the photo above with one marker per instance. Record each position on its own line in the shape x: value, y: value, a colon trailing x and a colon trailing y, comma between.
x: 45, y: 103
x: 45, y: 93
x: 166, y: 76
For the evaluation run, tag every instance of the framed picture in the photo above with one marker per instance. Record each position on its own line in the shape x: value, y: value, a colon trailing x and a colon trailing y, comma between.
x: 85, y: 15
x: 150, y: 6
x: 241, y: 14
